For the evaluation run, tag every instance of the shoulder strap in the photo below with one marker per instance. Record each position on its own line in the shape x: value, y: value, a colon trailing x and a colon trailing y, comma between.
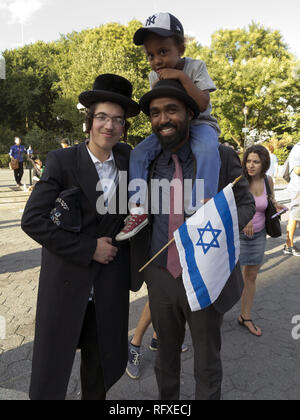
x: 269, y: 192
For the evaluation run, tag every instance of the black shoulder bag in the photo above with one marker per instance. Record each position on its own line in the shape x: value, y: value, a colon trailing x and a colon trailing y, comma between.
x: 273, y: 226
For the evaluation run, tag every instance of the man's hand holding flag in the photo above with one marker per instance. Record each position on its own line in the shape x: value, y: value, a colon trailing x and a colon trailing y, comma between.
x: 209, y: 248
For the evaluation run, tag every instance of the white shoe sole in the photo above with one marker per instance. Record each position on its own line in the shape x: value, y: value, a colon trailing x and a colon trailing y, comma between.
x: 152, y: 348
x: 123, y: 236
x: 291, y: 254
x: 131, y: 376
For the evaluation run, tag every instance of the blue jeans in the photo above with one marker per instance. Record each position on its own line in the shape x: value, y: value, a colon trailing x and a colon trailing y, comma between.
x: 205, y: 147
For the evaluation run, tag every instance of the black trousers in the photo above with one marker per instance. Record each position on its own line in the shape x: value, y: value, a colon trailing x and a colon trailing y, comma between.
x: 18, y: 173
x: 92, y: 382
x: 170, y: 312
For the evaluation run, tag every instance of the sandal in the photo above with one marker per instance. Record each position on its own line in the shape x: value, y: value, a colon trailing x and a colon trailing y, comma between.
x: 242, y: 324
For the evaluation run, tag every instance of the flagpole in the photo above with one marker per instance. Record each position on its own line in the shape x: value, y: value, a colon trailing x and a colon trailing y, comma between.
x: 155, y: 256
x: 237, y: 180
x: 172, y: 240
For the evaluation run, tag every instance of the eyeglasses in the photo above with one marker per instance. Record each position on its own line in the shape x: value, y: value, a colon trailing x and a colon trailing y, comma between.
x: 116, y: 121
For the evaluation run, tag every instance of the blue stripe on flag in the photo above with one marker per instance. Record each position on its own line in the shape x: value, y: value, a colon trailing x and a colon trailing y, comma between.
x: 194, y: 273
x: 225, y: 214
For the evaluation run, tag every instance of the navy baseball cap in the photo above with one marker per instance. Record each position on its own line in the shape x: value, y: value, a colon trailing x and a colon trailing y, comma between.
x: 162, y: 24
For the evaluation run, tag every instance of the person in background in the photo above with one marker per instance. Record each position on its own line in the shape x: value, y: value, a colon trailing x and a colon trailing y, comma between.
x: 294, y: 189
x: 65, y: 143
x: 134, y: 345
x: 272, y: 172
x: 36, y: 173
x: 30, y: 152
x: 256, y: 163
x: 16, y: 153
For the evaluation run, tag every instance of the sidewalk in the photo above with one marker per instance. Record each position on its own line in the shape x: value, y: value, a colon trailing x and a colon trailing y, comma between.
x: 254, y: 369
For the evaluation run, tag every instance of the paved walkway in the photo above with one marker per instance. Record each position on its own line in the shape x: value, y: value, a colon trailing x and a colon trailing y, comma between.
x: 254, y: 369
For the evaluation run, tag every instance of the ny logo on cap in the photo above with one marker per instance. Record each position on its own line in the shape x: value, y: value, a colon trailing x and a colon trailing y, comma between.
x: 151, y: 20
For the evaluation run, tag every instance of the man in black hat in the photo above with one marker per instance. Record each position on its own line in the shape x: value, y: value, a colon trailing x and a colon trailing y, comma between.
x: 83, y: 298
x: 170, y: 109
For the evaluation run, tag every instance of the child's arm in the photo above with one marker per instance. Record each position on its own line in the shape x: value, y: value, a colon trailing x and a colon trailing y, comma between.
x: 202, y: 97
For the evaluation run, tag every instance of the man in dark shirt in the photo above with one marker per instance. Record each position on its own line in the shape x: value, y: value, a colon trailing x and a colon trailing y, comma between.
x: 164, y: 170
x: 171, y: 110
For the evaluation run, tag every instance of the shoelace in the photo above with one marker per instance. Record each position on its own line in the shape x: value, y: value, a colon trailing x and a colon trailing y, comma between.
x: 130, y: 220
x: 136, y: 357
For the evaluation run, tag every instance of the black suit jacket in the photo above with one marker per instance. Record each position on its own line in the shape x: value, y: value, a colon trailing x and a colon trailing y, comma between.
x: 230, y: 170
x: 68, y: 273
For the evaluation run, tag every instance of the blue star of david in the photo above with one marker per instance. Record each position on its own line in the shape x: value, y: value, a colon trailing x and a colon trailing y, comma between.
x: 215, y: 234
x: 151, y: 20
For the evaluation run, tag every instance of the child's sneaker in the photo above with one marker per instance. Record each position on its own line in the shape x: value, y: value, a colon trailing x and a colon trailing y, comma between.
x: 134, y: 360
x: 134, y: 223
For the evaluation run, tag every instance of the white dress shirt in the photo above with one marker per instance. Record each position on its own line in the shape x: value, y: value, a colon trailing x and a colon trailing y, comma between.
x: 107, y: 172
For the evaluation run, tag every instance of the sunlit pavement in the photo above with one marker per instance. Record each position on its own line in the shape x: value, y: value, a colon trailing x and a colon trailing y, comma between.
x: 254, y: 368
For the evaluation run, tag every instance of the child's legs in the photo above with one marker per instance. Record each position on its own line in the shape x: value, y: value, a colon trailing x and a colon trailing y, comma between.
x: 205, y: 147
x: 140, y: 159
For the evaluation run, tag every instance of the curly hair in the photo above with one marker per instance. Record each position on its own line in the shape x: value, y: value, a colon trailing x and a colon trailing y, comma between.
x: 264, y: 156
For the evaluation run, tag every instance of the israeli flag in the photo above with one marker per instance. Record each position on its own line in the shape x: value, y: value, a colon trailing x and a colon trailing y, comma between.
x: 209, y: 248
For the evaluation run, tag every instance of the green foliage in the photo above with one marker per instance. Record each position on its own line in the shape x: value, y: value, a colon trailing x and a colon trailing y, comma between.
x: 280, y: 145
x: 282, y: 155
x: 4, y: 160
x: 250, y: 66
x: 41, y: 141
x: 6, y: 138
x: 26, y: 94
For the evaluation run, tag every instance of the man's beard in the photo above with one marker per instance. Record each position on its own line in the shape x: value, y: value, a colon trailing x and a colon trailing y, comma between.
x: 171, y: 142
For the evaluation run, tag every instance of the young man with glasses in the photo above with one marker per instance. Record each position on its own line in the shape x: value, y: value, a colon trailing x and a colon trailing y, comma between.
x: 83, y: 299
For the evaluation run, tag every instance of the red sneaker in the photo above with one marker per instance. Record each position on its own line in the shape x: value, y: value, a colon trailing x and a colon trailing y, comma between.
x: 134, y: 223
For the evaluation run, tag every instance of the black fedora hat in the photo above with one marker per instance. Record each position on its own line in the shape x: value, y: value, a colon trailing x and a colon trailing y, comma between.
x: 111, y: 88
x: 169, y: 88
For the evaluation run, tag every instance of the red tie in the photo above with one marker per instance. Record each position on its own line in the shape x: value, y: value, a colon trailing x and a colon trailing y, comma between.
x: 175, y: 220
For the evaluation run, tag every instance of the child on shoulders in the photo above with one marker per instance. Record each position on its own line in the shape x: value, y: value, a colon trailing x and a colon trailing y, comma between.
x: 164, y: 44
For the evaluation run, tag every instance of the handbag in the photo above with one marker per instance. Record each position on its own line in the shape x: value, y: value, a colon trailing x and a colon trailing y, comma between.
x: 273, y: 226
x: 14, y: 164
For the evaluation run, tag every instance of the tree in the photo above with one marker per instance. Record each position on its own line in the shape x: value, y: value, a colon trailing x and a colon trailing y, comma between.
x: 251, y: 67
x: 26, y: 93
x: 107, y: 49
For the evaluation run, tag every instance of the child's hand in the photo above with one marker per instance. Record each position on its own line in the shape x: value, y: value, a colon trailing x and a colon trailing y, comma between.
x: 169, y: 74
